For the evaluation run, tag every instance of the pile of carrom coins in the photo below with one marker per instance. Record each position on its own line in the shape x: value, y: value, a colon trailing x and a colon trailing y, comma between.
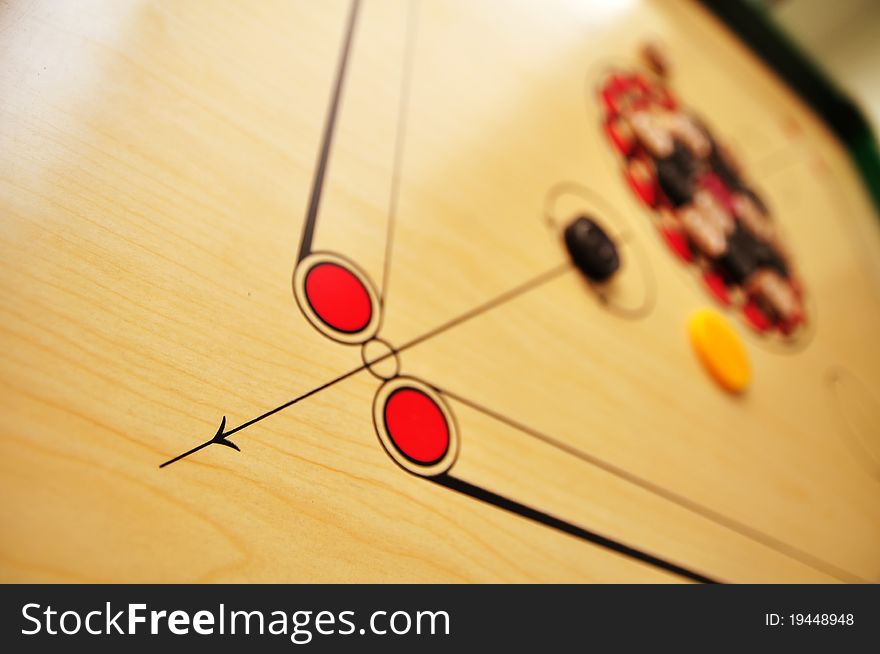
x: 707, y: 212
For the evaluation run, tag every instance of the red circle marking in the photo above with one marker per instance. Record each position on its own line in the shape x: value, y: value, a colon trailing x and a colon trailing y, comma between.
x: 416, y: 426
x: 339, y: 297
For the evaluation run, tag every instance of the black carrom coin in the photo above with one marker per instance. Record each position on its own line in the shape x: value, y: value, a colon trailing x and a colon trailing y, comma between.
x: 591, y: 249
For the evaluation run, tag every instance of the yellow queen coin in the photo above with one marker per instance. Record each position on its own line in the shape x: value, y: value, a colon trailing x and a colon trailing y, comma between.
x: 720, y: 348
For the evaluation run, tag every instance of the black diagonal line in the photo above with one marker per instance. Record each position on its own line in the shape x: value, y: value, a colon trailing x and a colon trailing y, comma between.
x: 281, y: 407
x: 486, y: 306
x: 686, y: 503
x: 400, y: 137
x: 308, y: 233
x: 507, y: 504
x: 265, y: 415
x: 201, y: 446
x: 507, y: 296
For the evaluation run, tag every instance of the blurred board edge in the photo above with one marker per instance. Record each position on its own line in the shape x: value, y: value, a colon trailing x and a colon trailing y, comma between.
x: 756, y: 28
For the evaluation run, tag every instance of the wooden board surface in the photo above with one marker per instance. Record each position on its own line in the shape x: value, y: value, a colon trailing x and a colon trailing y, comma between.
x: 157, y: 161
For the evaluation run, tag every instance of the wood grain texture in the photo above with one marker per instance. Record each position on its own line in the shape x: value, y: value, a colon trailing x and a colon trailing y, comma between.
x: 156, y: 160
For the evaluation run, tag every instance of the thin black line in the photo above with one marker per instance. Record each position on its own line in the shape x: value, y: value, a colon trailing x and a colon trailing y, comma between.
x: 507, y: 504
x: 684, y: 502
x: 308, y: 233
x: 224, y: 434
x: 281, y: 407
x: 543, y: 278
x: 221, y: 435
x: 186, y: 454
x: 400, y: 137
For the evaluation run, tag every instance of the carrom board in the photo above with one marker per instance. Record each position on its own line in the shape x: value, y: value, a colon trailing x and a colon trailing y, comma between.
x: 286, y: 299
